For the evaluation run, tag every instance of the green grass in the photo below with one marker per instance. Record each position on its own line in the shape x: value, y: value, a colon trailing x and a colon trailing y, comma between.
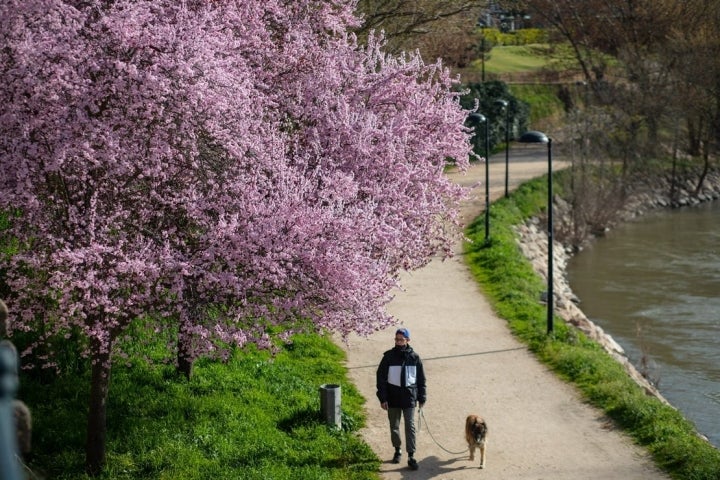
x: 543, y: 100
x: 512, y: 58
x: 513, y: 289
x: 532, y: 58
x: 256, y: 417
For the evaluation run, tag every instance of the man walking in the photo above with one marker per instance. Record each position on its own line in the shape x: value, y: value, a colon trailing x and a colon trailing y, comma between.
x: 400, y: 386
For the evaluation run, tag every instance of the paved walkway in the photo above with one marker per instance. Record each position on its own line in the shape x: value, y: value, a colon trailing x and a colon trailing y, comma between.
x: 539, y: 427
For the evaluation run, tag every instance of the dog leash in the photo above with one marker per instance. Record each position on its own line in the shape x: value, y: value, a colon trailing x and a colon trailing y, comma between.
x: 421, y: 417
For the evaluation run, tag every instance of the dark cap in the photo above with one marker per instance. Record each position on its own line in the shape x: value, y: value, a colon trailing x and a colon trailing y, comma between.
x: 404, y: 332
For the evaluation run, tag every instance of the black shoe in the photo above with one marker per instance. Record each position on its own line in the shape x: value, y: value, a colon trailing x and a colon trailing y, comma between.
x: 397, y: 457
x: 412, y: 463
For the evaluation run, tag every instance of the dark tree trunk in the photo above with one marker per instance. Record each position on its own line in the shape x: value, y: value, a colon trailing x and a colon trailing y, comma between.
x: 185, y: 365
x: 184, y: 356
x: 97, y: 414
x: 705, y: 170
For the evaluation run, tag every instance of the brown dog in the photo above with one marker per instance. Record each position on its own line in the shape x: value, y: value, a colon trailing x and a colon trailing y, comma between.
x: 476, y: 431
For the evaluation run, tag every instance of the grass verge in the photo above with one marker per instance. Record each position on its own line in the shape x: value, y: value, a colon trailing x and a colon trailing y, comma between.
x: 513, y: 289
x: 543, y: 100
x: 255, y: 417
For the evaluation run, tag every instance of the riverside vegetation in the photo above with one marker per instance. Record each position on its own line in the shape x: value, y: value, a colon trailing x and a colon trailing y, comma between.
x: 513, y: 288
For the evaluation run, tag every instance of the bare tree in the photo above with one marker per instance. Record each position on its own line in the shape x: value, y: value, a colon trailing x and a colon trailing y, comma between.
x: 693, y: 57
x: 652, y: 61
x: 436, y: 29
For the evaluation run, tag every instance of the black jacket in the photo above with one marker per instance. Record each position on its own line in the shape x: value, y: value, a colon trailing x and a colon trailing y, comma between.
x: 401, y: 378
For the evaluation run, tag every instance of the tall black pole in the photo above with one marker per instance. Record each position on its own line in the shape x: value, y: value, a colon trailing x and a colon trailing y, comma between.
x: 550, y: 243
x: 487, y: 180
x: 507, y: 148
x: 476, y: 119
x: 504, y: 105
x: 483, y: 56
x: 539, y: 137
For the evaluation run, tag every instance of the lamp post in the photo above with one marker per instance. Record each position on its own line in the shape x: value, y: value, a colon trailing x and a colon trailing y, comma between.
x: 482, y: 45
x: 503, y: 104
x: 539, y: 137
x: 487, y: 181
x: 476, y: 119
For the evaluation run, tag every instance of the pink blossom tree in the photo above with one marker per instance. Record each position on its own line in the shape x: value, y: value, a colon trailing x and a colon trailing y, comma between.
x: 218, y: 167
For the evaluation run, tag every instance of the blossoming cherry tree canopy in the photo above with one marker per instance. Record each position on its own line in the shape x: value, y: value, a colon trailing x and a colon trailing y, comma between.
x: 219, y: 167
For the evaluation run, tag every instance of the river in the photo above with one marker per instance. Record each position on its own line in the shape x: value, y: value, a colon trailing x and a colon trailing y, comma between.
x: 654, y: 286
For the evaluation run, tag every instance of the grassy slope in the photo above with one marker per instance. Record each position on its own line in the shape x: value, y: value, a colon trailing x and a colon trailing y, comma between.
x: 255, y: 417
x: 509, y: 59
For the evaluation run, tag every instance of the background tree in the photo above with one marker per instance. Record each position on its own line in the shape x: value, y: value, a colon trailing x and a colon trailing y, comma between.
x: 217, y: 169
x: 438, y: 29
x: 619, y: 107
x: 693, y: 58
x: 457, y: 40
x: 651, y: 65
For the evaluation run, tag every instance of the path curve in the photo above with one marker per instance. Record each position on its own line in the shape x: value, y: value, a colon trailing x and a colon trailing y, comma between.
x: 539, y: 426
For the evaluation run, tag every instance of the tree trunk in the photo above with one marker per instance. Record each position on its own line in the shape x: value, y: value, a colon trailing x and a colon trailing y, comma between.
x: 706, y: 167
x: 97, y: 414
x: 184, y: 356
x: 184, y: 363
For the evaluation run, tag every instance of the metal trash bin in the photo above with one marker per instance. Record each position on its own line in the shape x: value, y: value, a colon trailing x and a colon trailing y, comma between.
x: 330, y: 408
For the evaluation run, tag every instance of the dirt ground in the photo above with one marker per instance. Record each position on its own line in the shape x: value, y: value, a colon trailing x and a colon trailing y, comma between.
x: 539, y: 427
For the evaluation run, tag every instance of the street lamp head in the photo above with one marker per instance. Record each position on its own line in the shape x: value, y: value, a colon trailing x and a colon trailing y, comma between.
x: 533, y: 136
x: 501, y: 103
x: 476, y: 118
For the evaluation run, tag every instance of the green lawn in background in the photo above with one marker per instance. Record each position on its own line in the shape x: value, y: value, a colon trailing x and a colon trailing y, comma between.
x: 515, y: 58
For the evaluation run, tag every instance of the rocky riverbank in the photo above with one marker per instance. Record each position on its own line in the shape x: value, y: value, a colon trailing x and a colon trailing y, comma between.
x: 647, y: 196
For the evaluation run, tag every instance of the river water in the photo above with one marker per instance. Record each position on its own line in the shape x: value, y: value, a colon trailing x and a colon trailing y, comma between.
x: 654, y: 286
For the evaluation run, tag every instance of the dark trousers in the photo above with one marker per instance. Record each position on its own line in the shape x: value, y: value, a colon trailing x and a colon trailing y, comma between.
x: 408, y: 414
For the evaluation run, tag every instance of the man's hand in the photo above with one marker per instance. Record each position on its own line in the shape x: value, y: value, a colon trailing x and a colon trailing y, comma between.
x: 421, y: 405
x: 384, y: 405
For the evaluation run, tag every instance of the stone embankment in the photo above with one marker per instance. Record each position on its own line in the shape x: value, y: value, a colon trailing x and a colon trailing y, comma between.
x: 646, y: 196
